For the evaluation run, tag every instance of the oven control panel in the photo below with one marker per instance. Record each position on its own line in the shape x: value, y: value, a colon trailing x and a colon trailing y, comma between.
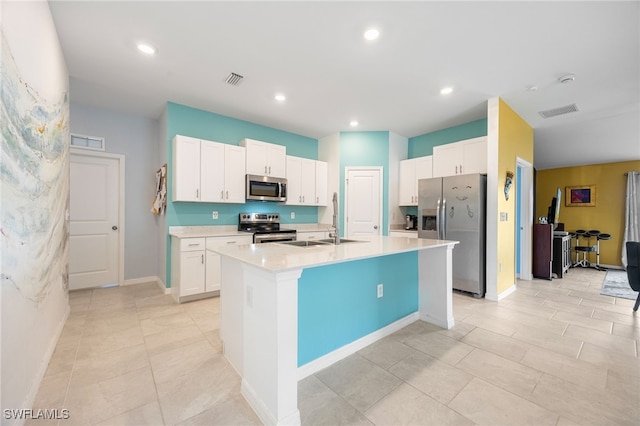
x: 259, y: 217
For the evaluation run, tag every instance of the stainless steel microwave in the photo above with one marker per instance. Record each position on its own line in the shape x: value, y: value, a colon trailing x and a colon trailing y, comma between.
x: 266, y: 188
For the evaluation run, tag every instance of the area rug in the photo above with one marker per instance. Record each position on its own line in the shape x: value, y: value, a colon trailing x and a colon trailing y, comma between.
x: 616, y: 285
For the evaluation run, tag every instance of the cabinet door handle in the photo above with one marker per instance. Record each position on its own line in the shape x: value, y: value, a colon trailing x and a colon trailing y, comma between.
x: 222, y: 195
x: 303, y: 198
x: 269, y: 169
x: 231, y: 242
x: 317, y: 200
x: 197, y: 193
x: 299, y: 198
x: 194, y: 244
x: 456, y: 169
x: 227, y: 195
x: 460, y: 168
x: 265, y: 170
x: 202, y: 258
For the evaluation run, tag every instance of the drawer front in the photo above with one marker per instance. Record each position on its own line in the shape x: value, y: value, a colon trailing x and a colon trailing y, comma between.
x: 192, y: 244
x: 213, y: 242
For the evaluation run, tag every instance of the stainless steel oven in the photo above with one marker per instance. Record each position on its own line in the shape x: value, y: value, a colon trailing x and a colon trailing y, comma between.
x: 265, y: 227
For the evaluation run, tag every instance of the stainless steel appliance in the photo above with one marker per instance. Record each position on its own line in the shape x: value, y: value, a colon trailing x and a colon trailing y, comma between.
x: 453, y: 208
x: 266, y: 188
x: 265, y: 227
x: 411, y: 221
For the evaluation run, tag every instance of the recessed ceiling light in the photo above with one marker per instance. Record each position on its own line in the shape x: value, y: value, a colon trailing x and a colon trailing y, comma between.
x: 280, y: 97
x: 446, y: 90
x: 147, y: 49
x: 371, y: 34
x: 353, y: 123
x: 532, y: 88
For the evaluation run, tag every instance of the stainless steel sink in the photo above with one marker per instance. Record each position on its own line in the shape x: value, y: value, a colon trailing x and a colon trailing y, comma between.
x: 342, y: 240
x: 303, y: 243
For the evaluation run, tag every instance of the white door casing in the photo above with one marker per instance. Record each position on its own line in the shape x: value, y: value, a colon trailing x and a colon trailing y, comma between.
x: 363, y: 201
x: 526, y: 218
x: 96, y: 220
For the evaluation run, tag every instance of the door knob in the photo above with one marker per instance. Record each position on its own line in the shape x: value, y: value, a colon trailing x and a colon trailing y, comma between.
x: 115, y: 228
x: 375, y: 226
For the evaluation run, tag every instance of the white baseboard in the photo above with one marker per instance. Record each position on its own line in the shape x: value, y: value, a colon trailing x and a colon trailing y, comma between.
x: 507, y: 292
x: 149, y: 279
x: 30, y: 399
x: 262, y: 411
x: 353, y: 347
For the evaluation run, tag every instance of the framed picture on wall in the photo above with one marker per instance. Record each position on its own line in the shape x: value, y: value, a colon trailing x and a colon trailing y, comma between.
x: 580, y: 196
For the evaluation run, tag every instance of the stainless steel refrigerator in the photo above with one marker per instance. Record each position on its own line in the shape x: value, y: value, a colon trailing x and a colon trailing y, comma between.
x: 454, y: 208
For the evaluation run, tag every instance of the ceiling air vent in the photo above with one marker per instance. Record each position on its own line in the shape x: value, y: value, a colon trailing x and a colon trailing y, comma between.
x: 559, y: 111
x: 234, y: 79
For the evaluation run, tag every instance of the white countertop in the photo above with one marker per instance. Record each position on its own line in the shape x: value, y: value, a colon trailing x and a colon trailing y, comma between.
x: 206, y: 231
x: 232, y: 230
x: 275, y: 257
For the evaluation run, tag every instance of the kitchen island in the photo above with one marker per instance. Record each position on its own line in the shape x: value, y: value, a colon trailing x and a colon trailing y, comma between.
x: 288, y: 311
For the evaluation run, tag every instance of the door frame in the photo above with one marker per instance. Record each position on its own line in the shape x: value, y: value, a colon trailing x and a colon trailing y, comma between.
x: 380, y: 171
x: 121, y: 235
x: 525, y: 209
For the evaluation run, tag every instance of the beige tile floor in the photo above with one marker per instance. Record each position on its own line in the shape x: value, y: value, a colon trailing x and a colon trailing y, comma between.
x: 554, y: 352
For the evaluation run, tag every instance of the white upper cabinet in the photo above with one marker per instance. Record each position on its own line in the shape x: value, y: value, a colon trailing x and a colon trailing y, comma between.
x: 321, y: 183
x: 234, y: 172
x: 411, y: 171
x: 306, y: 182
x: 206, y: 171
x: 464, y: 157
x: 265, y: 159
x: 186, y: 169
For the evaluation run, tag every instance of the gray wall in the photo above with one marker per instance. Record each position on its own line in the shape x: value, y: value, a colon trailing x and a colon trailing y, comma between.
x: 137, y: 139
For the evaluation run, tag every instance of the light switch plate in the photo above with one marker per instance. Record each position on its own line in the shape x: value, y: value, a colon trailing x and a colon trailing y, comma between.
x: 293, y: 215
x: 214, y: 215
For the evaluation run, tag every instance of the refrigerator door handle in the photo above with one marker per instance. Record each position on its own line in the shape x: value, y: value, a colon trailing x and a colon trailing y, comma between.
x: 438, y: 223
x: 444, y: 218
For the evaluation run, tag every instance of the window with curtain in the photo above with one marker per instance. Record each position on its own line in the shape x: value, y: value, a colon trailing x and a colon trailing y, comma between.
x: 632, y: 213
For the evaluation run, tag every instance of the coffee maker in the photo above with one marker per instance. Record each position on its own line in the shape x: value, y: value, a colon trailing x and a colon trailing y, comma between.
x: 411, y: 221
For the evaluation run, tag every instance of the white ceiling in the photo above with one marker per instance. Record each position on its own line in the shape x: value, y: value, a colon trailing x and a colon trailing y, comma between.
x: 314, y: 53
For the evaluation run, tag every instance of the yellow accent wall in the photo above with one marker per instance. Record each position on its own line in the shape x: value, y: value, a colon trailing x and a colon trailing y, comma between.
x: 607, y: 215
x: 515, y: 139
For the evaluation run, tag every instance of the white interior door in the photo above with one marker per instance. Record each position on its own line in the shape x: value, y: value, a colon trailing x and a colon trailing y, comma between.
x: 94, y: 223
x: 363, y: 201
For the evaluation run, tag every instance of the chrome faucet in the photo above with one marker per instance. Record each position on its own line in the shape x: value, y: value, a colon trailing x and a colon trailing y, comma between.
x: 336, y: 232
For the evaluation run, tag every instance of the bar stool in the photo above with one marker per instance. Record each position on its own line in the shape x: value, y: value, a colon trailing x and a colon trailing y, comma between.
x: 603, y: 237
x: 584, y: 262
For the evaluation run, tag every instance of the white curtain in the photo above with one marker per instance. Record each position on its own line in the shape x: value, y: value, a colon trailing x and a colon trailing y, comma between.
x: 632, y: 213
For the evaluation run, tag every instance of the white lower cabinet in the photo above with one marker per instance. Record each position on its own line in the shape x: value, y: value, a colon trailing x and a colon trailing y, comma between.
x: 195, y: 269
x: 212, y: 279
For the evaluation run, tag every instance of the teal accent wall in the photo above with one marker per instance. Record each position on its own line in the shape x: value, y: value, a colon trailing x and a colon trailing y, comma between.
x: 337, y: 304
x: 422, y: 145
x: 361, y: 149
x: 187, y: 121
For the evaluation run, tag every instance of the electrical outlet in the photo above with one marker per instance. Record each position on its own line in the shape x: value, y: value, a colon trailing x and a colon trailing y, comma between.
x: 293, y: 215
x: 214, y: 215
x: 380, y: 291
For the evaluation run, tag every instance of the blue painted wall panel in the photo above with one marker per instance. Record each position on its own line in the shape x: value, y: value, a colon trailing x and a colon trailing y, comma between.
x: 187, y: 121
x: 362, y: 149
x: 337, y: 304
